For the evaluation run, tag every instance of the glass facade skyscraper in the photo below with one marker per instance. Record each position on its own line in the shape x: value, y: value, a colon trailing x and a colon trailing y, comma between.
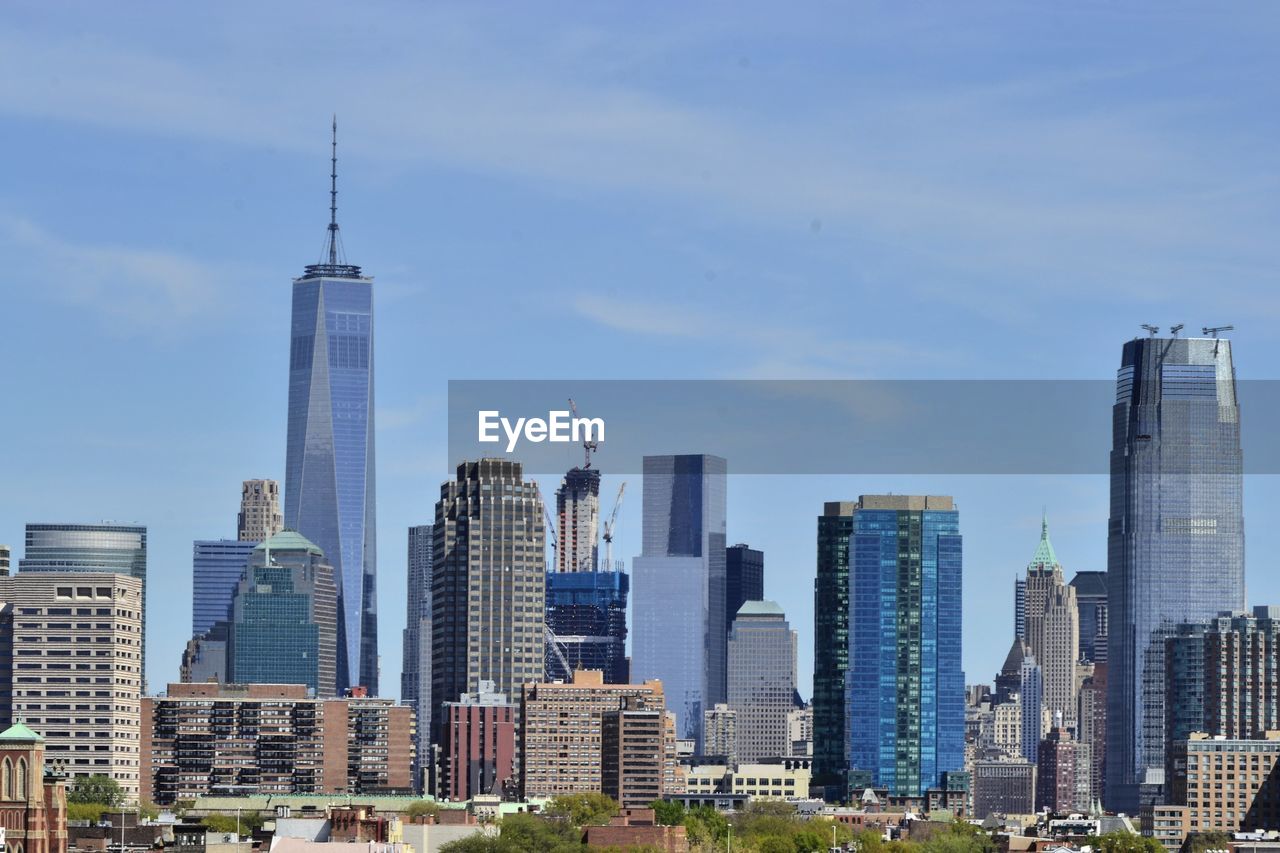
x: 216, y: 568
x: 415, y: 670
x: 1175, y: 546
x: 905, y: 685
x: 284, y: 621
x: 831, y: 647
x: 587, y: 612
x: 744, y: 579
x: 679, y: 633
x: 329, y: 465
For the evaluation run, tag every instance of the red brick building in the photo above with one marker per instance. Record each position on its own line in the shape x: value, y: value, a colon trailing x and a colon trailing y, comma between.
x: 33, y: 804
x: 479, y: 744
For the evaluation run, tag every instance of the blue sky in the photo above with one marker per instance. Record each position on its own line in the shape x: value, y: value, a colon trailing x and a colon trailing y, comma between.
x: 612, y: 190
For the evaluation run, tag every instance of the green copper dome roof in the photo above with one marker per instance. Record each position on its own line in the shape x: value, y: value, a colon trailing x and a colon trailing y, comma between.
x: 1044, y: 551
x: 20, y: 732
x: 290, y: 540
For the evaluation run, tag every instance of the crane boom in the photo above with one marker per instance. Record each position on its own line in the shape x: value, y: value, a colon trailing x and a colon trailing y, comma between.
x: 608, y: 529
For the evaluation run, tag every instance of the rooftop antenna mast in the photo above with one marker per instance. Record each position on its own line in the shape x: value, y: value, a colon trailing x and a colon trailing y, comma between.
x: 1175, y: 329
x: 1215, y: 331
x: 1153, y: 330
x: 333, y: 198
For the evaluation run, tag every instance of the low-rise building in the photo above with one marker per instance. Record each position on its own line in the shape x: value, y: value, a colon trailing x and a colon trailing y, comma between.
x: 1003, y: 788
x: 33, y: 799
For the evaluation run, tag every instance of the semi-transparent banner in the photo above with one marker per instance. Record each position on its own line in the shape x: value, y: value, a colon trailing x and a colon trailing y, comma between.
x: 856, y: 426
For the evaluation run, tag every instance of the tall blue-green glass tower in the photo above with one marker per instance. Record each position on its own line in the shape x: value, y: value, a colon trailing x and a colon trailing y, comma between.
x: 329, y: 466
x: 904, y: 683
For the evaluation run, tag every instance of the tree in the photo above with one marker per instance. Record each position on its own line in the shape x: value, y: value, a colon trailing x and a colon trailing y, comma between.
x: 98, y: 789
x: 590, y: 809
x: 419, y: 810
x: 668, y: 813
x: 246, y: 824
x: 706, y: 825
x: 1120, y: 841
x: 1199, y: 842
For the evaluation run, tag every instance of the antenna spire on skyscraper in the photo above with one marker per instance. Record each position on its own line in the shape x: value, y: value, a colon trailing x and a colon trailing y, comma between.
x: 333, y: 197
x: 332, y: 264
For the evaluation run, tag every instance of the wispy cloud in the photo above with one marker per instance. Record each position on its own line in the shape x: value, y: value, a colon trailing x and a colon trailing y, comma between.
x: 135, y: 290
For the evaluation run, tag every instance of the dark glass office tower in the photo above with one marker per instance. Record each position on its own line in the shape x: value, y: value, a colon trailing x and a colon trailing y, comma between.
x: 679, y: 633
x: 329, y: 466
x: 1175, y: 546
x: 587, y: 614
x: 831, y: 647
x: 744, y: 579
x: 415, y: 670
x: 1091, y: 599
x: 216, y: 568
x: 905, y: 684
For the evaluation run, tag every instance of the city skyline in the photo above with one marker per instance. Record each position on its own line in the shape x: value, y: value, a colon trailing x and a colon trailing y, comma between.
x: 188, y: 288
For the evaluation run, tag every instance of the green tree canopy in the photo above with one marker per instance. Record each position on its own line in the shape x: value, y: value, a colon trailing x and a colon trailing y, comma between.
x: 421, y: 809
x: 98, y: 789
x: 668, y: 813
x: 591, y: 809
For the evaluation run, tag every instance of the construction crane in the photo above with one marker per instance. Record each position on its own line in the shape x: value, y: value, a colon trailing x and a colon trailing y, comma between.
x: 608, y: 529
x: 589, y: 445
x: 551, y: 532
x: 553, y: 643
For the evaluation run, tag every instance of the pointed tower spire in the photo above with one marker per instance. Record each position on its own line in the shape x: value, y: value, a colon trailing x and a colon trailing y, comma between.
x: 332, y: 263
x: 1045, y: 554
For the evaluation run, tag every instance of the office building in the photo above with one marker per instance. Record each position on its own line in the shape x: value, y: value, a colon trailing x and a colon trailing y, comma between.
x: 1091, y: 721
x: 831, y: 647
x: 800, y: 730
x: 415, y: 669
x: 720, y: 732
x: 632, y: 753
x: 1053, y: 627
x: 217, y: 565
x: 762, y: 680
x: 1250, y: 797
x: 260, y: 517
x: 93, y: 548
x: 1031, y: 697
x: 273, y: 739
x: 329, y: 463
x: 33, y: 795
x: 478, y: 745
x: 560, y: 731
x: 205, y: 656
x: 284, y: 620
x: 1020, y: 608
x: 587, y: 617
x: 1009, y: 679
x: 1175, y: 548
x: 678, y: 584
x: 744, y: 578
x: 76, y: 678
x: 578, y: 515
x: 1003, y: 788
x: 488, y: 582
x: 906, y: 685
x: 5, y: 556
x: 1091, y: 599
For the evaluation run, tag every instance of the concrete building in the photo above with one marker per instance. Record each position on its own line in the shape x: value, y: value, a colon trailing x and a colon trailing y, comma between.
x: 478, y: 746
x: 560, y: 731
x: 679, y: 635
x: 762, y: 680
x: 6, y: 555
x: 1227, y: 785
x: 1003, y: 788
x: 1053, y: 627
x: 633, y: 753
x: 488, y: 583
x: 800, y: 730
x: 260, y: 516
x: 719, y: 732
x: 241, y: 739
x: 95, y: 548
x: 578, y: 516
x: 33, y: 795
x: 744, y: 578
x: 284, y: 620
x: 1007, y: 727
x: 76, y: 677
x: 415, y: 661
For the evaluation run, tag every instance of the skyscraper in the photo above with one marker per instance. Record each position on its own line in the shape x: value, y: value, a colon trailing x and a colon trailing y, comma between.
x: 329, y: 465
x: 905, y: 687
x: 744, y: 578
x: 1175, y: 547
x: 1053, y: 627
x: 587, y: 614
x: 679, y: 631
x: 1091, y: 598
x: 120, y: 548
x: 284, y: 621
x: 260, y: 516
x: 578, y: 512
x: 488, y: 583
x: 831, y: 646
x: 762, y: 681
x: 216, y: 568
x: 1031, y: 697
x: 415, y: 670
